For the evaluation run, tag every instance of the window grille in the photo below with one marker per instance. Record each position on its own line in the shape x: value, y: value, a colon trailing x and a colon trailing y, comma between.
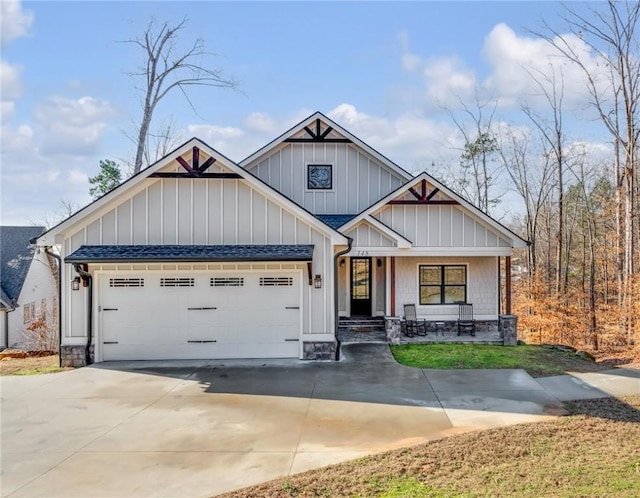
x: 276, y: 281
x: 226, y: 282
x: 177, y: 282
x: 126, y: 282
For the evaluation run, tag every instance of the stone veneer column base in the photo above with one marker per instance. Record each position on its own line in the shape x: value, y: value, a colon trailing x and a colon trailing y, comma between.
x: 75, y: 356
x: 393, y: 327
x: 319, y: 350
x: 509, y: 329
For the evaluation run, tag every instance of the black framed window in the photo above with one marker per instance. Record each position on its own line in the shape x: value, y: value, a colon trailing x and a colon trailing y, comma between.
x: 319, y: 176
x: 442, y: 284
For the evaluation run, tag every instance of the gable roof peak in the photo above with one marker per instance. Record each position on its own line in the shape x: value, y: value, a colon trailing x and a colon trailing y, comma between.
x: 322, y: 135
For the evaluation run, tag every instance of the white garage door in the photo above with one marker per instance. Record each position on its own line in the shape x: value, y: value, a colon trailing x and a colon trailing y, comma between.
x: 148, y: 315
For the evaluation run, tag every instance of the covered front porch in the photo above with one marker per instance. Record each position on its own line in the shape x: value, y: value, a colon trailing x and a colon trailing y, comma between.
x: 374, y: 288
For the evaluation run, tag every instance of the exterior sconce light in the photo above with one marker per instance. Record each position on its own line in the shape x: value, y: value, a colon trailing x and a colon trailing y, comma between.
x: 342, y: 263
x: 379, y: 263
x: 75, y: 284
x: 317, y: 282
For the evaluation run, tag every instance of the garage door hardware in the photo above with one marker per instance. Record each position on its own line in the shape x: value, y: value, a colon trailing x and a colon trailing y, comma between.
x: 292, y: 307
x: 200, y: 342
x: 108, y: 309
x: 203, y: 308
x: 291, y: 340
x: 110, y: 342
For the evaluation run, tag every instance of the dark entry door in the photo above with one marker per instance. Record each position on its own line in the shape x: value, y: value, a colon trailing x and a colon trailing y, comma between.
x: 360, y: 286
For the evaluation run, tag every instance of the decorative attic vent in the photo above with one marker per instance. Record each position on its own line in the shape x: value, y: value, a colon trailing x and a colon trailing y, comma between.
x: 177, y: 282
x: 227, y: 282
x: 126, y: 282
x: 276, y: 281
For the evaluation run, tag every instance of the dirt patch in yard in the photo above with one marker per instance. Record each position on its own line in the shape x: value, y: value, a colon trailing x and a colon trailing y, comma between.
x: 33, y: 364
x: 593, y: 452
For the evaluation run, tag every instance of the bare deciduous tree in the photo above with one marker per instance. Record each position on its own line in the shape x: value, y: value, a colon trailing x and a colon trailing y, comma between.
x: 165, y: 68
x: 614, y: 87
x: 478, y: 169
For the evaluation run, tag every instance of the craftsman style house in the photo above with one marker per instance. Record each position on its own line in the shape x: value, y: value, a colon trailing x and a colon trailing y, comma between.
x: 201, y: 257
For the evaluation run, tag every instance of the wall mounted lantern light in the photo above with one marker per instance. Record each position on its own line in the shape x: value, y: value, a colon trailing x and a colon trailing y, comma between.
x: 75, y: 284
x: 317, y: 282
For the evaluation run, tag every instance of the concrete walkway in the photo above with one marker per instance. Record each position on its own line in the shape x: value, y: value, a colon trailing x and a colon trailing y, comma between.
x: 200, y: 428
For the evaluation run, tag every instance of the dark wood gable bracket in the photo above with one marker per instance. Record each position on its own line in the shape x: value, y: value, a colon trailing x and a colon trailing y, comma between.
x: 424, y: 197
x: 196, y: 170
x: 318, y: 136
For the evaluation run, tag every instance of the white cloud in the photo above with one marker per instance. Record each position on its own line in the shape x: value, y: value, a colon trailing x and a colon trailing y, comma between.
x: 48, y: 159
x: 71, y: 126
x: 514, y: 61
x: 78, y: 177
x: 517, y: 61
x: 10, y: 84
x: 14, y: 21
x: 260, y: 122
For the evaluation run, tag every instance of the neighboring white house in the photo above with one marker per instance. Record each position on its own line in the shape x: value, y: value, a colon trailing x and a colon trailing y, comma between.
x: 27, y: 289
x: 200, y: 257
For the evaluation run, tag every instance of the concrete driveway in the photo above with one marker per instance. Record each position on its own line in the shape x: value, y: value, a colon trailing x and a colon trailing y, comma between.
x: 201, y: 428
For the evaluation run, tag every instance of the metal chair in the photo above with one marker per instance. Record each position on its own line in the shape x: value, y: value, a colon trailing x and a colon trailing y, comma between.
x: 466, y: 322
x: 413, y: 326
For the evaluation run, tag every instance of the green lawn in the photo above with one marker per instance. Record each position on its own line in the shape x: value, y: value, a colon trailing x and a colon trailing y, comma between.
x: 539, y: 361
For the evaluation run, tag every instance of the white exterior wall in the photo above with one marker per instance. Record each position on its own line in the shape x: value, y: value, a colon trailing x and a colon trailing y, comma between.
x: 358, y: 179
x: 39, y: 285
x: 439, y: 226
x: 482, y: 286
x: 366, y: 236
x: 200, y: 211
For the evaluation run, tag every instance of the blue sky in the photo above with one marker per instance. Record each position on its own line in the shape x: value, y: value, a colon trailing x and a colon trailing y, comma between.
x: 381, y: 69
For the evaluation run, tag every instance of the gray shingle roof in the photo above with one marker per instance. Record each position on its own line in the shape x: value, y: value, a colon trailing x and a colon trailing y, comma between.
x: 16, y: 254
x: 169, y: 253
x: 335, y: 220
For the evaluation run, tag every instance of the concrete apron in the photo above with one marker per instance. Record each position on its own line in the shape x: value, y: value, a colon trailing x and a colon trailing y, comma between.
x: 200, y: 428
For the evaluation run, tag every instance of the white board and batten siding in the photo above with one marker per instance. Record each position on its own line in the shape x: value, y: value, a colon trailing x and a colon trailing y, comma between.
x: 441, y: 226
x: 359, y: 180
x: 201, y: 211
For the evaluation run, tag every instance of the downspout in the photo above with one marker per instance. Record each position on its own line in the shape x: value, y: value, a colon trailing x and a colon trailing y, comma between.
x: 59, y: 260
x: 335, y: 293
x: 6, y: 324
x: 86, y: 277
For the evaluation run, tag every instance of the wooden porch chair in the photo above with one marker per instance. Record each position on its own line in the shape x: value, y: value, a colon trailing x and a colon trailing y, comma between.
x: 466, y: 322
x: 413, y: 326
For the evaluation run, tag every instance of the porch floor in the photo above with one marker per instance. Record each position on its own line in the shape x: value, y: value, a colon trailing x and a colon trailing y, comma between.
x: 491, y: 336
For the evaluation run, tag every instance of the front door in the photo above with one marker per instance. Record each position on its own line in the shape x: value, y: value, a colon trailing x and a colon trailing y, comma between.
x: 360, y: 286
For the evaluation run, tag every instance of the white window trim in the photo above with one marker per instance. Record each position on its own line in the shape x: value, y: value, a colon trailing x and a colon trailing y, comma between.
x: 448, y: 263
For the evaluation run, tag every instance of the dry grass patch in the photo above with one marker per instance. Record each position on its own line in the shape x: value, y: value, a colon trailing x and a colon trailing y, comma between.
x: 593, y: 452
x: 32, y: 365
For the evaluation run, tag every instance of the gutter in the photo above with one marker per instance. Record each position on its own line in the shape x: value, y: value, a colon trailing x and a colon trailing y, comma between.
x: 56, y: 257
x: 87, y: 280
x: 335, y: 292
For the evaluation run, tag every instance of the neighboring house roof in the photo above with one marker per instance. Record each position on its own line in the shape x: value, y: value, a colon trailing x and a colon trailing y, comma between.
x: 48, y: 237
x: 339, y: 129
x: 335, y: 220
x: 171, y: 253
x: 516, y: 239
x: 16, y: 255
